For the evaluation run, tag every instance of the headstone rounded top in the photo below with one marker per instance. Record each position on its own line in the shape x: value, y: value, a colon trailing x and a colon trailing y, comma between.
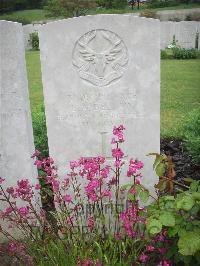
x: 100, y: 57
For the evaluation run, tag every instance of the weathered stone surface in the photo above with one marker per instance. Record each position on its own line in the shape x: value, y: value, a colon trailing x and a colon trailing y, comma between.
x: 167, y: 32
x: 16, y: 136
x: 100, y: 71
x: 185, y: 32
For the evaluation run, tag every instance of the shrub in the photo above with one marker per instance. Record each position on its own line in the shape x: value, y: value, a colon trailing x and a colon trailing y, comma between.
x: 193, y: 17
x: 192, y: 134
x: 161, y: 3
x: 182, y: 53
x: 34, y: 41
x: 163, y: 54
x: 148, y: 14
x: 175, y: 19
x: 40, y: 131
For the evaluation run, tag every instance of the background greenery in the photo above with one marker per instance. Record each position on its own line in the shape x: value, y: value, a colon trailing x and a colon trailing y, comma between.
x: 38, y: 14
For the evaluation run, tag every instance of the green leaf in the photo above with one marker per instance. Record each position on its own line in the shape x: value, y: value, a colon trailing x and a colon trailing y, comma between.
x: 188, y: 180
x: 185, y: 203
x: 131, y: 197
x: 154, y: 226
x: 189, y: 243
x: 157, y: 160
x: 144, y: 196
x: 167, y: 219
x: 126, y: 186
x: 160, y: 169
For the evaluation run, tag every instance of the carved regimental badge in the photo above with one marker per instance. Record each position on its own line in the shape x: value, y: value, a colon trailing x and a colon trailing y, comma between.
x: 100, y: 57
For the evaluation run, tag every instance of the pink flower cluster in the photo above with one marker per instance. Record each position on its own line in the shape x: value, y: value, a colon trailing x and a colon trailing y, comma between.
x: 118, y: 134
x: 134, y: 167
x: 24, y: 189
x: 130, y: 217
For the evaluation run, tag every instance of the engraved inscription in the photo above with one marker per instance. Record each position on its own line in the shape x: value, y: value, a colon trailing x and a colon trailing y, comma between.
x: 100, y: 57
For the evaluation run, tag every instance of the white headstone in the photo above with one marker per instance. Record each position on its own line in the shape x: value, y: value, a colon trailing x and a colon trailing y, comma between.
x: 186, y: 34
x: 98, y: 72
x: 16, y: 136
x: 167, y: 32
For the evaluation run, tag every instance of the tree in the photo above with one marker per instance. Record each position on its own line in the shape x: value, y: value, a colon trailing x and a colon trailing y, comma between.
x: 69, y: 8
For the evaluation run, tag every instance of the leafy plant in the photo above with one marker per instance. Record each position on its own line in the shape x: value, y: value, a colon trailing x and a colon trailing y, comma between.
x: 182, y: 53
x: 40, y: 131
x: 192, y: 134
x: 34, y: 41
x: 178, y: 213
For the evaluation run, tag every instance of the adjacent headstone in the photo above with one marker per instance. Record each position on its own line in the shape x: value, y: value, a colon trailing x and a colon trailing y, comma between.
x: 16, y: 136
x: 98, y: 72
x: 185, y: 32
x: 167, y: 33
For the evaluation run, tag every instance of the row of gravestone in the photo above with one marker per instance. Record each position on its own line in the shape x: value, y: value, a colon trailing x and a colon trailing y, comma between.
x: 97, y: 72
x: 186, y: 34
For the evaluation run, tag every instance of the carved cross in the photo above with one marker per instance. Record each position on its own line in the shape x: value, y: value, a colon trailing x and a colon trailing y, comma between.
x: 103, y: 146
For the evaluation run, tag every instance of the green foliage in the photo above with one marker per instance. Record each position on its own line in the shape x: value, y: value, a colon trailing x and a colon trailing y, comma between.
x: 179, y: 215
x: 112, y: 3
x: 193, y: 17
x: 40, y: 132
x: 189, y: 243
x: 182, y: 53
x: 11, y: 5
x: 68, y: 8
x: 148, y: 14
x: 163, y: 54
x: 161, y: 3
x: 34, y: 40
x: 22, y: 20
x: 192, y: 134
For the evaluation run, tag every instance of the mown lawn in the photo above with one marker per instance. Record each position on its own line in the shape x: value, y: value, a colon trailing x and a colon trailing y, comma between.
x: 32, y: 15
x: 180, y: 91
x: 26, y: 15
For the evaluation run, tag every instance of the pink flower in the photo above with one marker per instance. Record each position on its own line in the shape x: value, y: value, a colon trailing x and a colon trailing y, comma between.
x: 133, y: 191
x: 38, y: 163
x: 36, y: 154
x: 150, y: 248
x: 117, y: 153
x: 23, y: 211
x: 143, y: 258
x: 55, y: 184
x: 37, y: 186
x: 12, y: 247
x: 106, y: 193
x: 118, y: 133
x: 74, y: 164
x: 93, y: 197
x: 105, y: 171
x: 1, y: 180
x: 8, y: 211
x: 162, y: 250
x: 137, y: 182
x: 131, y: 171
x: 165, y: 263
x: 24, y: 190
x: 90, y: 223
x: 10, y: 190
x: 67, y: 198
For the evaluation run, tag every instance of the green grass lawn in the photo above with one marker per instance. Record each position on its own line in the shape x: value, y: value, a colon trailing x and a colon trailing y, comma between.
x: 31, y: 15
x: 180, y: 90
x: 28, y: 15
